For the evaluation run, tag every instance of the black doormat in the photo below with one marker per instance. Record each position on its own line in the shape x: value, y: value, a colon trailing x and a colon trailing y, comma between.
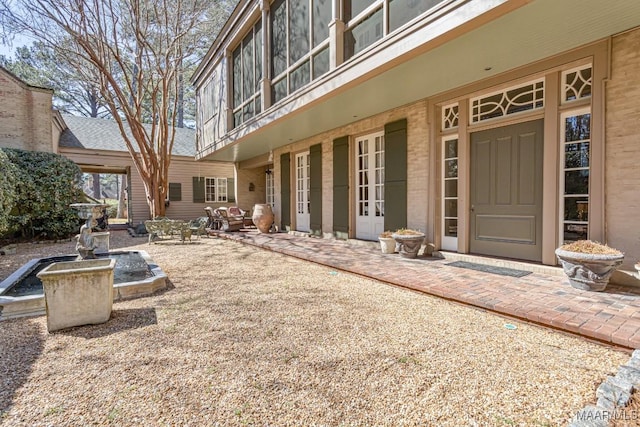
x: 503, y: 271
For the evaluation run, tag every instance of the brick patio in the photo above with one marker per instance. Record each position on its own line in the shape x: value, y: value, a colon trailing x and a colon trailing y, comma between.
x: 543, y: 297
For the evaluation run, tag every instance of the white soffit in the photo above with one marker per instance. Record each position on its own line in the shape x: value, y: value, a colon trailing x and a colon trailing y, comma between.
x: 538, y: 30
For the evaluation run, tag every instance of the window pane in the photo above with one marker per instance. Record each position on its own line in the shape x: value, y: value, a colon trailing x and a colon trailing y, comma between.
x: 578, y: 128
x: 321, y: 20
x: 403, y: 11
x: 237, y: 118
x: 247, y: 112
x: 299, y: 77
x: 237, y: 77
x: 451, y: 227
x: 279, y: 90
x: 576, y: 155
x: 451, y: 188
x: 354, y: 7
x: 298, y: 29
x: 451, y: 208
x: 363, y: 35
x: 576, y: 208
x: 451, y: 149
x: 576, y: 182
x: 278, y: 37
x: 451, y: 168
x: 573, y: 232
x: 258, y: 54
x: 247, y: 67
x: 258, y: 104
x: 321, y: 63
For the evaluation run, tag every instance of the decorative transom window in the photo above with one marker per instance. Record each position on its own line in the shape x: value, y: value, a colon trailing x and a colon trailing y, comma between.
x: 516, y: 99
x: 299, y: 44
x: 576, y: 83
x: 247, y: 73
x: 215, y: 189
x: 450, y: 116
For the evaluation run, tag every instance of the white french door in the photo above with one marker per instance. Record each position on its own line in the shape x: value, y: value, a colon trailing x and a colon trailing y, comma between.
x: 302, y: 192
x: 369, y: 186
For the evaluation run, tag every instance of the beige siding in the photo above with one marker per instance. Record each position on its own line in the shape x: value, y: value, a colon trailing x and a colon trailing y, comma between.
x: 622, y: 185
x: 25, y: 115
x: 182, y: 170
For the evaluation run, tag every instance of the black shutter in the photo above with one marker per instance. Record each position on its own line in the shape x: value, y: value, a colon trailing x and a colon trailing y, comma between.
x: 285, y: 192
x: 341, y: 187
x: 395, y: 173
x: 315, y: 189
x: 198, y: 190
x: 175, y: 191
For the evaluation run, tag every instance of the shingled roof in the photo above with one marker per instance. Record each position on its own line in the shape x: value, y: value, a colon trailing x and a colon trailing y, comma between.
x: 104, y: 134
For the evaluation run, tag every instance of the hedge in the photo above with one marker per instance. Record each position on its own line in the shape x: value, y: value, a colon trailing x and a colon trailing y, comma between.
x: 41, y: 188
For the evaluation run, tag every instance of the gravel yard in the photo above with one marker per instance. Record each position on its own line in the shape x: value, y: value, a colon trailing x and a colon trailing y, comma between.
x: 244, y: 336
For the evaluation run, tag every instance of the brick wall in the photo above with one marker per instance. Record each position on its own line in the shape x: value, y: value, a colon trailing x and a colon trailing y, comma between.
x: 622, y: 174
x: 418, y: 161
x: 25, y: 115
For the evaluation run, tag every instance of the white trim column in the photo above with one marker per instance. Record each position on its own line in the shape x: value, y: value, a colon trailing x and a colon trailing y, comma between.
x: 265, y: 83
x: 336, y: 36
x: 228, y: 58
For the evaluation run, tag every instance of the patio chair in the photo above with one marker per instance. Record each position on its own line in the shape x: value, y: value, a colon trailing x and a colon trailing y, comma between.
x: 228, y: 221
x: 198, y: 226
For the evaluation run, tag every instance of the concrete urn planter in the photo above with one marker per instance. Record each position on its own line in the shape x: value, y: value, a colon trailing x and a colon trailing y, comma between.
x: 262, y: 217
x: 387, y: 245
x: 409, y: 243
x: 589, y: 272
x: 78, y: 292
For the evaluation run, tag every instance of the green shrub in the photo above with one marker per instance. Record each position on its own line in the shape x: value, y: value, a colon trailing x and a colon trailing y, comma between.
x: 45, y: 185
x: 7, y: 190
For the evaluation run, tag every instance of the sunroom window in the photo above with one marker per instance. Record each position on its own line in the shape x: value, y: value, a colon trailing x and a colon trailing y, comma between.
x: 247, y: 73
x: 369, y: 21
x: 299, y: 44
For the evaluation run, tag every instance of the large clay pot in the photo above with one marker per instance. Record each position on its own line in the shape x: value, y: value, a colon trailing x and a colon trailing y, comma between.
x: 262, y: 217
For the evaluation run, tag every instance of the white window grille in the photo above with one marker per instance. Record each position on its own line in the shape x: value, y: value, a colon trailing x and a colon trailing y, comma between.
x: 450, y: 116
x: 516, y: 99
x: 215, y: 189
x: 270, y: 188
x: 574, y: 180
x: 577, y: 83
x: 450, y: 192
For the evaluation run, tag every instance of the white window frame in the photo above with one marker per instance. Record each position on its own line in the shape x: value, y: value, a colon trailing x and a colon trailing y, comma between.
x: 215, y: 190
x: 270, y: 188
x: 562, y: 221
x: 449, y: 242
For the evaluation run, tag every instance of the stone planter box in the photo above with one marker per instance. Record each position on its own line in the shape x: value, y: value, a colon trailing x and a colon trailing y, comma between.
x: 589, y: 272
x: 78, y: 292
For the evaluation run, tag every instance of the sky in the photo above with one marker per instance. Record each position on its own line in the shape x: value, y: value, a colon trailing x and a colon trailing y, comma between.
x: 17, y: 42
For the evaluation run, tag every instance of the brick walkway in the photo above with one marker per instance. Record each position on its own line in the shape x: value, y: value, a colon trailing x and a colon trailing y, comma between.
x: 612, y: 316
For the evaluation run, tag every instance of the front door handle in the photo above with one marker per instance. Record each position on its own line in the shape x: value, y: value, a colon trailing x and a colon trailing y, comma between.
x: 473, y: 208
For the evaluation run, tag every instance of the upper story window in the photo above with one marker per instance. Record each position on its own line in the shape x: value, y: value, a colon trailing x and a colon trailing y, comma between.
x: 299, y: 44
x: 247, y: 73
x: 368, y: 21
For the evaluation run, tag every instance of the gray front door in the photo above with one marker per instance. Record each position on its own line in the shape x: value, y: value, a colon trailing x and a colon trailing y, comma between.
x: 506, y: 191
